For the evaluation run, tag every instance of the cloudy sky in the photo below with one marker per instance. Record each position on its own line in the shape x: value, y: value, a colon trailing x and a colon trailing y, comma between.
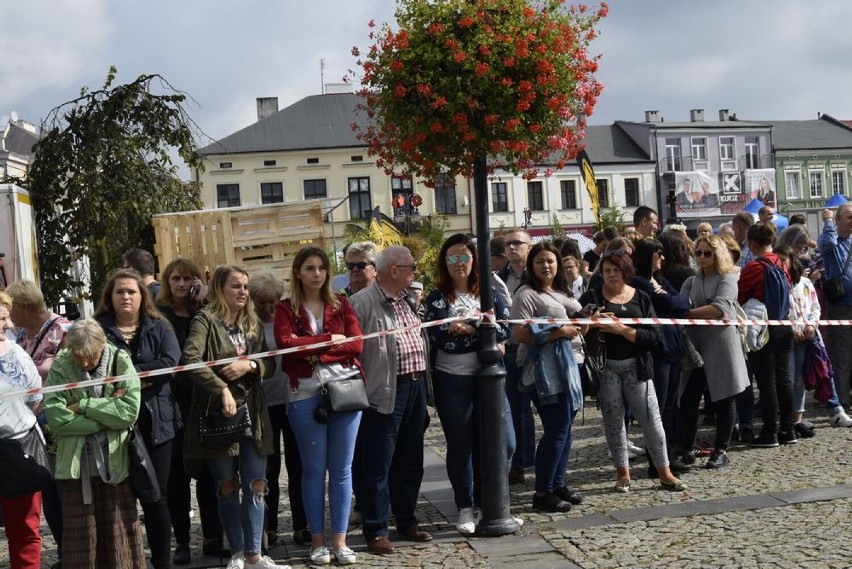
x: 762, y: 59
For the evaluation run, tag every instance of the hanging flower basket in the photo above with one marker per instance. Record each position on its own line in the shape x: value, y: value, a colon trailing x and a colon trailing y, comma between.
x: 459, y: 80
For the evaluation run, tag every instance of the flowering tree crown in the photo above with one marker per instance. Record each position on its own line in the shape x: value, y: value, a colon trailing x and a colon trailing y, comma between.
x: 459, y: 80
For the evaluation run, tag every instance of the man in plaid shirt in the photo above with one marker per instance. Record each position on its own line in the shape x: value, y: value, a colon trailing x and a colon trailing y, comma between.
x: 388, y: 465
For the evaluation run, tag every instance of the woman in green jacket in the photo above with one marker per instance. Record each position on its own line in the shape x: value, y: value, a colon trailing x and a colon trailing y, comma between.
x: 225, y: 328
x: 91, y: 424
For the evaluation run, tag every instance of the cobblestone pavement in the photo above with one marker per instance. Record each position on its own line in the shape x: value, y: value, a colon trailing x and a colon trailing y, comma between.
x: 783, y: 507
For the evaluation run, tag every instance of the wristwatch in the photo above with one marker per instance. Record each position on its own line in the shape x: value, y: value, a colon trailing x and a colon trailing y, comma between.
x: 253, y: 365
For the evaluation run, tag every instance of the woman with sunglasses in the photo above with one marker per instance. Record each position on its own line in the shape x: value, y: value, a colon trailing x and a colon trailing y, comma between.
x: 455, y: 367
x: 628, y: 369
x: 551, y: 374
x: 713, y: 295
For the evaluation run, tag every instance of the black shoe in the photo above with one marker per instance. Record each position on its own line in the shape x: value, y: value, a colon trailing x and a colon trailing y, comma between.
x: 566, y: 495
x: 550, y: 503
x: 182, y: 555
x: 302, y: 536
x: 746, y: 435
x: 718, y: 459
x: 787, y: 437
x: 804, y: 430
x: 765, y: 441
x: 516, y: 475
x: 683, y: 462
x: 216, y: 548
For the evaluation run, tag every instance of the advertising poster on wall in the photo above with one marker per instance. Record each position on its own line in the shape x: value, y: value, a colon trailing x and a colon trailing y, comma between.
x: 760, y: 184
x: 697, y: 194
x: 731, y: 195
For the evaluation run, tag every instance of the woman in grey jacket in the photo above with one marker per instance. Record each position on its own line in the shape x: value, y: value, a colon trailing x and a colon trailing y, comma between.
x: 713, y: 294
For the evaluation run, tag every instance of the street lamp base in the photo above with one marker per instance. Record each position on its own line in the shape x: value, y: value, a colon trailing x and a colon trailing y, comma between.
x: 495, y: 528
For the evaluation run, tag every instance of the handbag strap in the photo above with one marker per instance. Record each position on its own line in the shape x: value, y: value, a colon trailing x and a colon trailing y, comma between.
x: 846, y: 263
x: 41, y: 335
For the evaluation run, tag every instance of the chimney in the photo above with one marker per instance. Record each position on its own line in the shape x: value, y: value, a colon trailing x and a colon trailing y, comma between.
x: 266, y: 106
x: 652, y: 116
x: 724, y: 114
x: 339, y: 89
x: 696, y: 115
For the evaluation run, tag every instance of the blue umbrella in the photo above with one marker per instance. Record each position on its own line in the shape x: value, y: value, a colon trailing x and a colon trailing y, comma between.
x: 754, y: 206
x: 835, y: 201
x: 780, y: 221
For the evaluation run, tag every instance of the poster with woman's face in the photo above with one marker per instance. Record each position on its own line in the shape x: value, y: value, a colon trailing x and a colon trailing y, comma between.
x: 760, y: 184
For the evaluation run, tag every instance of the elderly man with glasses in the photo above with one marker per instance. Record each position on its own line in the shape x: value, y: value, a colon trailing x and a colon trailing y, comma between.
x: 361, y: 265
x: 389, y: 450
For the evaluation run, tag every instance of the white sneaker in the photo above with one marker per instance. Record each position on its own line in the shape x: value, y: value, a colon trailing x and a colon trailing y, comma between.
x: 321, y: 555
x: 264, y: 563
x: 345, y: 556
x: 636, y: 450
x: 630, y: 454
x: 518, y: 521
x: 466, y: 525
x: 841, y: 420
x: 238, y: 561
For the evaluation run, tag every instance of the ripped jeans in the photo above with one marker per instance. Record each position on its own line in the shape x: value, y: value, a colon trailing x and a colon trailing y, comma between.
x: 242, y: 520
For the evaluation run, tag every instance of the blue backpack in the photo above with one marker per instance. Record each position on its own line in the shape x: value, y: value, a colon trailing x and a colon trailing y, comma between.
x: 776, y: 291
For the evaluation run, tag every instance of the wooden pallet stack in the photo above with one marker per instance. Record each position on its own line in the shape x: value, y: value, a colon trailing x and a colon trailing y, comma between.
x: 259, y: 238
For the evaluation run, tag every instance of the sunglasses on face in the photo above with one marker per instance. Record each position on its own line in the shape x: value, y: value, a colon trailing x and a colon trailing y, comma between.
x: 360, y: 265
x: 703, y: 253
x: 453, y: 259
x: 516, y: 243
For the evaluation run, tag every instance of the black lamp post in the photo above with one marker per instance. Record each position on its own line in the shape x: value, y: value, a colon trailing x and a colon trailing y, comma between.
x: 495, y: 519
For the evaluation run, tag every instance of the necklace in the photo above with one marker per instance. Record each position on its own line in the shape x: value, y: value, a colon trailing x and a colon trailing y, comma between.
x: 621, y: 302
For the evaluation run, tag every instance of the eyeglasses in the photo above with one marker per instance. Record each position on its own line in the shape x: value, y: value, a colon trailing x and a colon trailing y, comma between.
x: 360, y: 265
x: 616, y: 253
x: 703, y: 253
x: 412, y: 266
x: 516, y: 244
x: 453, y: 259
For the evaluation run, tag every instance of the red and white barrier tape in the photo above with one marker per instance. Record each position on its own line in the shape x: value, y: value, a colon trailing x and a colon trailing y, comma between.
x: 486, y: 318
x: 224, y: 361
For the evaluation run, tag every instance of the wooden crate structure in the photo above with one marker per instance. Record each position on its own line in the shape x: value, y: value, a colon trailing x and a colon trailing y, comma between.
x: 259, y: 238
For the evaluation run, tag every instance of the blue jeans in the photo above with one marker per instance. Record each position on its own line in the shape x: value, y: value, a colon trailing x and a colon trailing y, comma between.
x: 554, y: 448
x: 242, y: 520
x: 391, y: 454
x: 522, y: 418
x: 325, y: 447
x: 457, y: 403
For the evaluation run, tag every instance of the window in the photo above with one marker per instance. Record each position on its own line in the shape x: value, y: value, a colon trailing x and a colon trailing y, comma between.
x: 816, y: 184
x: 402, y: 185
x: 603, y: 192
x: 631, y: 192
x: 445, y: 194
x: 499, y: 197
x: 356, y: 158
x: 752, y: 150
x: 315, y: 189
x: 313, y: 160
x: 227, y: 195
x: 726, y: 148
x: 360, y: 206
x: 793, y: 189
x: 225, y: 165
x: 838, y: 182
x: 272, y: 192
x: 672, y: 154
x: 568, y: 189
x: 269, y: 162
x: 699, y: 148
x: 535, y: 196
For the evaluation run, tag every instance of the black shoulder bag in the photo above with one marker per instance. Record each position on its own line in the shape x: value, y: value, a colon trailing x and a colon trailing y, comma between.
x: 833, y: 288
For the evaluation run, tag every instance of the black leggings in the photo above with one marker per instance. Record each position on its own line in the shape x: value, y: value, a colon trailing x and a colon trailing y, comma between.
x: 180, y: 496
x: 726, y: 412
x: 293, y: 463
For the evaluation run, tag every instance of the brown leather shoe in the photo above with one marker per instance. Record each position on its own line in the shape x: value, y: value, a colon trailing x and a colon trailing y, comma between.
x: 380, y: 545
x: 414, y: 533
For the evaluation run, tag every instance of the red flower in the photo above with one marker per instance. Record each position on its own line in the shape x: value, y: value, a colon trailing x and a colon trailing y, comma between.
x: 397, y: 66
x: 466, y: 22
x: 399, y: 91
x: 481, y: 69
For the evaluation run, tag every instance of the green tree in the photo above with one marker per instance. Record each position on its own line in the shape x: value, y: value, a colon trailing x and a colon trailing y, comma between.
x: 102, y: 168
x: 611, y: 217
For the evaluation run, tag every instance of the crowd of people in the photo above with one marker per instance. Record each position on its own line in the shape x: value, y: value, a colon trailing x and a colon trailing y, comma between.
x: 370, y: 462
